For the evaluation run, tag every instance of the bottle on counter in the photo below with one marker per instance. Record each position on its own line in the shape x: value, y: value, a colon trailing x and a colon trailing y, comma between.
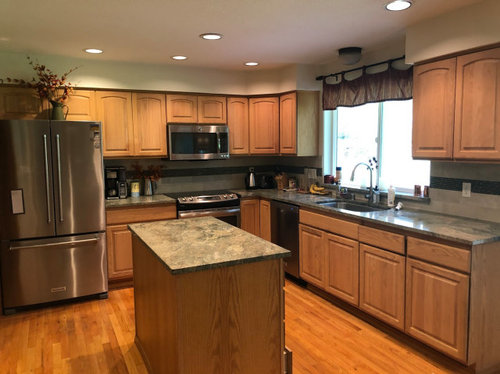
x: 391, y: 196
x: 338, y: 174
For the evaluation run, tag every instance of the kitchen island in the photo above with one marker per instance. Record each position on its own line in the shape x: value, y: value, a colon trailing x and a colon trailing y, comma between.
x: 208, y: 298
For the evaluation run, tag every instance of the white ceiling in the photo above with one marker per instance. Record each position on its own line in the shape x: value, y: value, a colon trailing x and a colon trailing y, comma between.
x: 273, y: 32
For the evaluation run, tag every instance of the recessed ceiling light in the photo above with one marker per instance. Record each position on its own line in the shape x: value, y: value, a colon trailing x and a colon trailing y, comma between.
x: 179, y: 58
x: 211, y: 36
x: 398, y: 5
x: 4, y: 39
x: 251, y: 63
x: 93, y: 50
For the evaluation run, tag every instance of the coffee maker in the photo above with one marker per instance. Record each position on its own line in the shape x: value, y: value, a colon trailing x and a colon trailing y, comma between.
x: 116, y: 183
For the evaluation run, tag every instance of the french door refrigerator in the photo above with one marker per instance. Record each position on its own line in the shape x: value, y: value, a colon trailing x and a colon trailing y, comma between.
x: 52, y: 207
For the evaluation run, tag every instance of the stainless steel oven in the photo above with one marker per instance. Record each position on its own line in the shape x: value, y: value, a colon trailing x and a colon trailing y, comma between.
x: 223, y: 205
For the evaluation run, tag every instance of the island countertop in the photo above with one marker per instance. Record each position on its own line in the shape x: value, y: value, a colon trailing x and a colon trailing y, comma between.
x: 193, y: 244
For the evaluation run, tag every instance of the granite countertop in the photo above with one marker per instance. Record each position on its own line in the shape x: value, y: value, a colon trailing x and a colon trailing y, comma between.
x: 195, y: 244
x: 138, y: 201
x: 458, y: 229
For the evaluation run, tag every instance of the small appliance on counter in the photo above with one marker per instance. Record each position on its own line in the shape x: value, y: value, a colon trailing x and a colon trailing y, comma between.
x: 250, y: 179
x: 265, y: 181
x: 116, y: 183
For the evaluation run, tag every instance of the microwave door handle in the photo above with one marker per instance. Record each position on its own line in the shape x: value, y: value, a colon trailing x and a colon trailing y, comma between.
x: 218, y: 143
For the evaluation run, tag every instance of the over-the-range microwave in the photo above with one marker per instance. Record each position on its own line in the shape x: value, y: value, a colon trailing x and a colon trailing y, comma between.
x: 197, y: 142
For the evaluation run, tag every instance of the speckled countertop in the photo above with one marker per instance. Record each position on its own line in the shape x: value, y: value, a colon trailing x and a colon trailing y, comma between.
x: 138, y: 201
x: 194, y: 244
x: 458, y: 229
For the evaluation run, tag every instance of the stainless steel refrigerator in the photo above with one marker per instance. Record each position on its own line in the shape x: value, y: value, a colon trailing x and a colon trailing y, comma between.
x: 52, y: 232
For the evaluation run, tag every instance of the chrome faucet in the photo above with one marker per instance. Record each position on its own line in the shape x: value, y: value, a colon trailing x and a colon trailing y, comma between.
x: 370, y: 194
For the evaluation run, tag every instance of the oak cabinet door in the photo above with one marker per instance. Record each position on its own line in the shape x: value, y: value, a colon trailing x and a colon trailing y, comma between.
x: 81, y: 106
x: 114, y: 110
x: 477, y: 118
x: 288, y: 123
x: 21, y: 103
x: 342, y: 279
x: 437, y: 303
x: 313, y: 266
x: 250, y: 216
x: 119, y: 243
x: 150, y: 124
x: 237, y: 121
x: 434, y: 109
x: 382, y: 285
x: 182, y: 108
x: 211, y: 109
x: 264, y: 125
x: 265, y: 219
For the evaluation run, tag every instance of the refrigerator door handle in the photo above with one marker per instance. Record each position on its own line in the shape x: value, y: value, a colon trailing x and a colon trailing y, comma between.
x: 59, y: 179
x: 47, y: 180
x: 72, y: 243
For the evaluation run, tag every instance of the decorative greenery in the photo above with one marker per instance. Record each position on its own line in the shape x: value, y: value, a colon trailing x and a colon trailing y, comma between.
x: 153, y: 172
x: 48, y: 85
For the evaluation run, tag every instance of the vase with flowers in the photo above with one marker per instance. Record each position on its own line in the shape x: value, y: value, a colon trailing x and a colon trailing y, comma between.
x: 48, y: 86
x: 149, y: 177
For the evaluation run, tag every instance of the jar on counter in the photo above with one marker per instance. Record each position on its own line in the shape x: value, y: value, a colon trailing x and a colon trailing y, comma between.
x: 338, y: 174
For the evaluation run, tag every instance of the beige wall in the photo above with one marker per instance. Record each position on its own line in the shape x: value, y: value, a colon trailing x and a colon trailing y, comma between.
x: 469, y: 27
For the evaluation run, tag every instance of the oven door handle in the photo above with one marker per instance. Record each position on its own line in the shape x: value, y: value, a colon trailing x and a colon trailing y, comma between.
x: 210, y: 212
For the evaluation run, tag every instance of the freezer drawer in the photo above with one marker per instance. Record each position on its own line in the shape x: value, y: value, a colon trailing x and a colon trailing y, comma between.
x: 40, y: 271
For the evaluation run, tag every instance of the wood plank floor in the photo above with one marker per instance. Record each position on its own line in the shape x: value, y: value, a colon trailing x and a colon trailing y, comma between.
x: 98, y: 337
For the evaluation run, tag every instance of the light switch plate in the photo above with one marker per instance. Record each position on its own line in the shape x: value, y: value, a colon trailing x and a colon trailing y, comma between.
x: 466, y: 187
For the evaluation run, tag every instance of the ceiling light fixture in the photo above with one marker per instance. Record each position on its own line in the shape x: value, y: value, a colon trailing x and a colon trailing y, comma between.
x: 94, y: 51
x: 398, y: 5
x: 251, y: 63
x: 4, y: 39
x: 179, y: 58
x: 350, y: 55
x: 211, y: 36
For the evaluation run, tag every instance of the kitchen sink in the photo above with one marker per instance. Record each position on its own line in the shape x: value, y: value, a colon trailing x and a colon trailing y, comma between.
x: 348, y: 205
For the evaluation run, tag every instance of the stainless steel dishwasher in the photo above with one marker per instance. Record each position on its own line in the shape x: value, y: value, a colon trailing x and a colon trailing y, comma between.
x: 285, y: 233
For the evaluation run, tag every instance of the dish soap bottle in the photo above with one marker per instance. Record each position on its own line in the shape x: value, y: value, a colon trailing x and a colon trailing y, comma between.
x: 391, y: 196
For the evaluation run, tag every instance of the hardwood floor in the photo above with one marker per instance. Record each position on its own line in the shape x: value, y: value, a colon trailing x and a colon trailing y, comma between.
x: 98, y: 337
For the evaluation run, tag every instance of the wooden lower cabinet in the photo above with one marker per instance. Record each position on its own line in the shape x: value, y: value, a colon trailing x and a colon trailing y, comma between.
x: 250, y: 221
x: 382, y: 285
x: 312, y: 255
x: 265, y: 219
x: 437, y: 307
x: 342, y: 262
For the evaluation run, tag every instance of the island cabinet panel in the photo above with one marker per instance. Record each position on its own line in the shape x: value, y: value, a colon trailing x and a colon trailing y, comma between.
x: 250, y: 221
x: 21, y: 103
x: 225, y: 320
x: 477, y: 119
x: 237, y: 121
x: 81, y: 106
x: 342, y: 259
x: 119, y: 242
x: 114, y: 110
x: 265, y: 219
x: 382, y: 285
x: 313, y: 265
x: 150, y: 124
x: 434, y: 109
x: 437, y: 307
x: 288, y: 123
x: 211, y: 109
x: 264, y: 125
x: 182, y: 108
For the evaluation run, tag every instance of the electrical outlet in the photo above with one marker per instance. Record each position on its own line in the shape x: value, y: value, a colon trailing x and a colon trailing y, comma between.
x: 466, y: 187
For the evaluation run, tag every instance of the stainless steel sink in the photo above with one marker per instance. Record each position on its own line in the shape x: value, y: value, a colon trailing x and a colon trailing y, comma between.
x: 348, y: 205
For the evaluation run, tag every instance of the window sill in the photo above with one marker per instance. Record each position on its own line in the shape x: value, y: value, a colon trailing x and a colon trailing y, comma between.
x: 399, y: 195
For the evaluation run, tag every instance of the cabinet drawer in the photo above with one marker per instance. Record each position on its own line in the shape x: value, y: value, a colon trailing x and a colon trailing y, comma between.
x: 452, y: 257
x: 382, y: 239
x: 142, y: 214
x: 333, y: 225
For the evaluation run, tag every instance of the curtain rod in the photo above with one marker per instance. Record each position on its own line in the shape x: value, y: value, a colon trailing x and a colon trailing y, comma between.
x: 390, y: 61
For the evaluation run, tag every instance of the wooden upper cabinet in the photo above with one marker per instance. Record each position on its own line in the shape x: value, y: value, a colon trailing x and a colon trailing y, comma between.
x: 211, y: 109
x: 182, y: 108
x: 21, y: 103
x: 150, y: 124
x: 114, y: 110
x: 477, y: 113
x: 81, y: 106
x: 237, y: 121
x: 288, y: 123
x: 264, y: 125
x: 434, y: 109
